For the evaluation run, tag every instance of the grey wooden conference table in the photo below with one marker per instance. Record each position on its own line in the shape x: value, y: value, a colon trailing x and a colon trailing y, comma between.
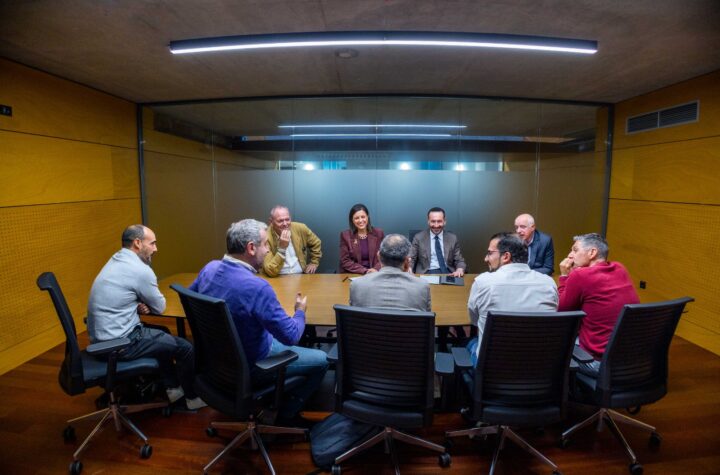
x: 449, y: 302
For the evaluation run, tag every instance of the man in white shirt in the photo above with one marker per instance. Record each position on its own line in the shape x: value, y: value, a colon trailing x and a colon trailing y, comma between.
x: 510, y: 285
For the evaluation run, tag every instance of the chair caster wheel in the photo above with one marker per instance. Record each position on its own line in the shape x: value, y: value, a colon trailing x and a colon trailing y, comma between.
x: 145, y: 451
x: 564, y: 443
x: 636, y: 469
x: 69, y: 434
x: 336, y: 470
x: 655, y: 440
x: 444, y: 460
x: 211, y: 432
x: 75, y: 467
x: 557, y: 472
x: 449, y: 444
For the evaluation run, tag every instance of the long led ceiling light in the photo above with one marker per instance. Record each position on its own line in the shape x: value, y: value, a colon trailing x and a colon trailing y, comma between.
x: 383, y: 38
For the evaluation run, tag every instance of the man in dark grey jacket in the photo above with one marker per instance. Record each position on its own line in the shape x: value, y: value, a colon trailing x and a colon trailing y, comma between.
x: 436, y: 251
x: 392, y: 286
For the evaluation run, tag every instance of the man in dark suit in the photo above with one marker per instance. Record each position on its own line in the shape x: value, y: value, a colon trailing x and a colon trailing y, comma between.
x: 436, y: 251
x: 541, y: 253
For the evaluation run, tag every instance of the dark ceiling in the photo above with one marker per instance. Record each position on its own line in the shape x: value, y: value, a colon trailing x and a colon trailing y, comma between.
x: 120, y: 47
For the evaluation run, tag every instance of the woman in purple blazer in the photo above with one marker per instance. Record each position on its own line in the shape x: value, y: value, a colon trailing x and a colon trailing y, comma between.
x: 359, y: 244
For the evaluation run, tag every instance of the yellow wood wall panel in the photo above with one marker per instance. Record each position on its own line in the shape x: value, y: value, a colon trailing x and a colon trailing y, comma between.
x: 674, y: 248
x: 26, y: 350
x: 687, y: 172
x: 573, y: 183
x: 706, y: 89
x: 181, y: 211
x: 46, y: 105
x: 37, y: 169
x: 74, y: 240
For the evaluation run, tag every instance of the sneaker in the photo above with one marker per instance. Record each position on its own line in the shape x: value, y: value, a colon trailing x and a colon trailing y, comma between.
x: 174, y: 394
x: 195, y: 403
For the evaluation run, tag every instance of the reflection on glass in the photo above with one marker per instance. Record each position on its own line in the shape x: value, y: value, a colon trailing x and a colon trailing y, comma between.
x: 484, y: 161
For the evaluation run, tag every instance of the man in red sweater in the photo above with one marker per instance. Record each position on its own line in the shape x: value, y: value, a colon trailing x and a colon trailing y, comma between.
x: 589, y: 282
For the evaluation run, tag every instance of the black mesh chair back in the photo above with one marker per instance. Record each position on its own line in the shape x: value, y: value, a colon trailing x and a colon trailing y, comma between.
x: 71, y: 371
x: 385, y: 376
x: 97, y: 365
x: 222, y: 374
x: 633, y: 371
x: 386, y: 357
x: 521, y: 376
x: 636, y: 356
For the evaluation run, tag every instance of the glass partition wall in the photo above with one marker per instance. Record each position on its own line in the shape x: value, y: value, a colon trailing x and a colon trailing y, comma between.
x: 484, y: 161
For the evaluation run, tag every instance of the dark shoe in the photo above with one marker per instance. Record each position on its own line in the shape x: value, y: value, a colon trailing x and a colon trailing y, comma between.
x: 466, y: 414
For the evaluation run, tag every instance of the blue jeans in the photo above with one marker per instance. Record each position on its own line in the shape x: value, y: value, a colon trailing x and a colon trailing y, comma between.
x: 472, y: 348
x: 310, y: 363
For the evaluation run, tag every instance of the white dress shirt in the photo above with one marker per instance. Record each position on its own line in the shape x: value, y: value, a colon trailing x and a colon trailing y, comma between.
x: 512, y: 288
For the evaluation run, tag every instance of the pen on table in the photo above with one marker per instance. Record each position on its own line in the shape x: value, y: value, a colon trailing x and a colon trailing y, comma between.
x: 346, y: 278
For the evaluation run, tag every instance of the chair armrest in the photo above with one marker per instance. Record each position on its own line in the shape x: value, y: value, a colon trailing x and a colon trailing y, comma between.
x: 104, y: 347
x: 275, y: 362
x: 332, y: 355
x: 581, y: 355
x: 444, y: 364
x: 462, y: 357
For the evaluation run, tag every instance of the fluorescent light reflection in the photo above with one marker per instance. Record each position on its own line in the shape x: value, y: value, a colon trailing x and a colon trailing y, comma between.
x: 405, y: 166
x: 308, y: 167
x: 380, y: 136
x: 379, y: 126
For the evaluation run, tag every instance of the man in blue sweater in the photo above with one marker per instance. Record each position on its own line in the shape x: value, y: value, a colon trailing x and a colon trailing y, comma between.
x: 263, y: 327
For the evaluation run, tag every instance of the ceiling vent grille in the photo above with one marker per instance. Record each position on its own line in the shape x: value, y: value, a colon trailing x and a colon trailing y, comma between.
x: 677, y: 115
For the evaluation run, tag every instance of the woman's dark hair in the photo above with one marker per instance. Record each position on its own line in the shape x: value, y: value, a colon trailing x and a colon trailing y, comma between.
x: 355, y: 209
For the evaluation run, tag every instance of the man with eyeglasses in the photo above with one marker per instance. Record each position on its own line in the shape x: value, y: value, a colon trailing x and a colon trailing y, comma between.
x: 510, y: 285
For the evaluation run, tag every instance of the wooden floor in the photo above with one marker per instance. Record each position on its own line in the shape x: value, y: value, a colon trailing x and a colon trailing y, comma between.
x: 33, y: 411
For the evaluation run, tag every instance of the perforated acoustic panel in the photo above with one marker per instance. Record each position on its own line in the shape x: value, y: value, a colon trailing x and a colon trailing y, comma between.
x: 74, y: 240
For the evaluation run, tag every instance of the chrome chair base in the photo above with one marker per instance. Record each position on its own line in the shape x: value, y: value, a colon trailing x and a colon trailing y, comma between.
x: 388, y: 436
x: 249, y: 431
x: 505, y: 433
x: 611, y: 418
x: 117, y: 413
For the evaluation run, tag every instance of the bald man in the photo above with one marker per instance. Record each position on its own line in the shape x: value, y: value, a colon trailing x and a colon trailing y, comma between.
x: 541, y: 253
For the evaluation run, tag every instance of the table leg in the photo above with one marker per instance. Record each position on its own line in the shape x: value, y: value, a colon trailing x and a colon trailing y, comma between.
x: 180, y: 321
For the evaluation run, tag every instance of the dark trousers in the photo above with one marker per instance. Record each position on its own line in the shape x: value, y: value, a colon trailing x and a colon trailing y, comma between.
x: 174, y: 354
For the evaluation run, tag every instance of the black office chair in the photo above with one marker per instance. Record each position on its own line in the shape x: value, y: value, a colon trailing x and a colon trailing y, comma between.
x: 633, y: 371
x: 521, y: 377
x: 222, y: 375
x: 82, y: 370
x: 385, y: 375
